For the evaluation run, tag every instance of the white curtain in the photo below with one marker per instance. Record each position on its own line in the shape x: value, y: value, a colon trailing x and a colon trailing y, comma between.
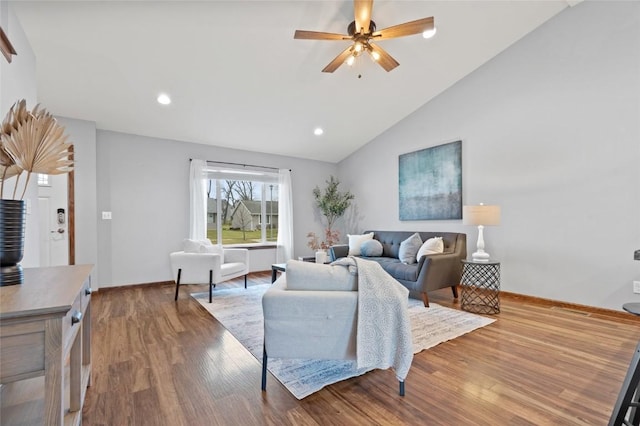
x: 198, y: 199
x: 284, y: 251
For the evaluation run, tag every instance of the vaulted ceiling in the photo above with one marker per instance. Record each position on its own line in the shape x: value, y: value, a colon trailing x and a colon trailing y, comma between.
x: 237, y: 77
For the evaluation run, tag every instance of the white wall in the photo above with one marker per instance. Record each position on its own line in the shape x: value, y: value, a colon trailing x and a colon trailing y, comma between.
x: 144, y: 182
x: 18, y: 81
x: 18, y: 78
x: 551, y: 132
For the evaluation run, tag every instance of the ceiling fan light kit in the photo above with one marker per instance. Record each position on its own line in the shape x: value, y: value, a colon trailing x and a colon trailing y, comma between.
x: 362, y: 39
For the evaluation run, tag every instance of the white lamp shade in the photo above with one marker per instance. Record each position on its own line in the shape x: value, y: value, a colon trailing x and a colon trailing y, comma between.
x: 481, y: 215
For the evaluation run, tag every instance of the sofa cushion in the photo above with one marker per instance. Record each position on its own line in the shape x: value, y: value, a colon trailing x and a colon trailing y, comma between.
x: 391, y: 240
x: 409, y: 249
x: 397, y: 269
x: 355, y: 242
x: 431, y: 246
x: 371, y: 248
x: 314, y: 276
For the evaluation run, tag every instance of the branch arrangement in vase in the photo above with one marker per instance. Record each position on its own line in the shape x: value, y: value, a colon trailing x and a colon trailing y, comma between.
x: 31, y: 142
x: 332, y: 203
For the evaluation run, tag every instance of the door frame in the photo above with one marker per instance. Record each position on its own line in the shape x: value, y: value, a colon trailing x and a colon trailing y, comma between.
x: 71, y: 217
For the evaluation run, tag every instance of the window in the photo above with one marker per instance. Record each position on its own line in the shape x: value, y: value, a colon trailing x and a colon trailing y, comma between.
x: 43, y: 180
x: 242, y: 207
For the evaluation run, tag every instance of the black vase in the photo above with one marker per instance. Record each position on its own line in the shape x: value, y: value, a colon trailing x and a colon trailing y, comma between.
x: 12, y: 224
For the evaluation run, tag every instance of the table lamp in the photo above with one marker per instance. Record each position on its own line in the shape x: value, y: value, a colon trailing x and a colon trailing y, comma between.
x: 481, y: 216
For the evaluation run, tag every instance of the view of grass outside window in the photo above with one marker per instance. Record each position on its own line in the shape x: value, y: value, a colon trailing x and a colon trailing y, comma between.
x: 242, y: 212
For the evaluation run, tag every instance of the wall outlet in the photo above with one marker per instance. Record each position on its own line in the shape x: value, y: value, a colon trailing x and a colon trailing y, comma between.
x: 636, y: 286
x: 107, y: 216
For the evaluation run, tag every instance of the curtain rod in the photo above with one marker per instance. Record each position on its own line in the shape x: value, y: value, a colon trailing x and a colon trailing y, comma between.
x: 240, y: 164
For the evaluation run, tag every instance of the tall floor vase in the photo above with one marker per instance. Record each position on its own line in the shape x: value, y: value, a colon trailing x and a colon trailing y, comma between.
x: 12, y: 225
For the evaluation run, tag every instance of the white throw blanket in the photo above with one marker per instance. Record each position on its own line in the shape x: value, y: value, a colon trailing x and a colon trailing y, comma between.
x: 384, y: 327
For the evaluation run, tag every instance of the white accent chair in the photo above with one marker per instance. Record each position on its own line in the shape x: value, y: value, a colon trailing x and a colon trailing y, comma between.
x: 203, y: 263
x: 311, y: 312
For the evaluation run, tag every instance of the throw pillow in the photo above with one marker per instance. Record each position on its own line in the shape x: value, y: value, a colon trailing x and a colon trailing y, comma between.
x: 192, y: 246
x: 216, y: 249
x: 431, y: 246
x: 371, y: 248
x: 355, y: 242
x: 409, y: 249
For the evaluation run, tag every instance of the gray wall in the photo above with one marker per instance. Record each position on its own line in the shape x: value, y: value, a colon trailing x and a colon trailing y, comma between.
x: 83, y: 136
x: 551, y: 133
x: 144, y: 182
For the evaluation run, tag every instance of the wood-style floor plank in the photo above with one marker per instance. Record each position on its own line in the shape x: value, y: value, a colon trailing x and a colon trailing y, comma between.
x: 161, y: 362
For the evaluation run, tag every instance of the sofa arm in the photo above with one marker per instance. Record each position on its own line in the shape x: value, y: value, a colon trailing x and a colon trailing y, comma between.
x: 338, y: 251
x: 440, y: 271
x: 236, y: 256
x: 309, y: 276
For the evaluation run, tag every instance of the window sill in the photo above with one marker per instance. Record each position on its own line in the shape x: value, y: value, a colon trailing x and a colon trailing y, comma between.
x: 252, y: 246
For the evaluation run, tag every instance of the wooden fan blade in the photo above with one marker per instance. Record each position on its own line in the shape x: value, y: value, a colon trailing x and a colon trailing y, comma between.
x: 316, y: 35
x: 385, y: 60
x: 362, y: 11
x: 339, y: 60
x: 408, y: 28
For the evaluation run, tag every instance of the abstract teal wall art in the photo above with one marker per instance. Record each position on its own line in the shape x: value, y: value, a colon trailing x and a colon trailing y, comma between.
x: 430, y: 183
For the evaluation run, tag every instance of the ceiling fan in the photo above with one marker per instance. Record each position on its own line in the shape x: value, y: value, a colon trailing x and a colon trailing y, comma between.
x: 362, y: 31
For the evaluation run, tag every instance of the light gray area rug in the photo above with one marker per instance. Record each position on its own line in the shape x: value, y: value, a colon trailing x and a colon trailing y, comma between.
x: 240, y: 311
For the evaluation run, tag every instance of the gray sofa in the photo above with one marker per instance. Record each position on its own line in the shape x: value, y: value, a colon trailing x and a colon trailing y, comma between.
x: 432, y: 272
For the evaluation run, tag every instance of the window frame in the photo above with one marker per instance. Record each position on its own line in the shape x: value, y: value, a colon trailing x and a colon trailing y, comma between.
x: 219, y: 175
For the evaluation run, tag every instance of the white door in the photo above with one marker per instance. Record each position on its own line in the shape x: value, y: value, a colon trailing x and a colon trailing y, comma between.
x: 45, y: 246
x: 54, y: 240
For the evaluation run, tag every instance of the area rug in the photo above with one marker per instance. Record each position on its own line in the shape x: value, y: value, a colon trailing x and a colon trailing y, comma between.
x: 240, y: 312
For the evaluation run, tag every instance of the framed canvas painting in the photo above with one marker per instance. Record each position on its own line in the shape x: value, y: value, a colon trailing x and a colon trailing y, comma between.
x: 430, y: 183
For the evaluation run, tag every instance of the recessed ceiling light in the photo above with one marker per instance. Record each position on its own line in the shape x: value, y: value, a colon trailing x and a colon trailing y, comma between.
x: 164, y: 99
x: 318, y: 131
x: 429, y: 33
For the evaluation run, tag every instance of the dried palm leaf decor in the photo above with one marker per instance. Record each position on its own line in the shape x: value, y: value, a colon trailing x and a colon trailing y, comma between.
x: 31, y: 142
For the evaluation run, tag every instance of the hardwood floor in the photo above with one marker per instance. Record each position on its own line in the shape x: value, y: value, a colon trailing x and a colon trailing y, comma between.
x: 161, y: 362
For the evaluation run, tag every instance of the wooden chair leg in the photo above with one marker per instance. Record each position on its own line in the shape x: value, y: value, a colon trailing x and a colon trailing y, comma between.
x: 178, y: 283
x: 425, y: 299
x: 210, y: 285
x: 454, y: 289
x: 264, y: 368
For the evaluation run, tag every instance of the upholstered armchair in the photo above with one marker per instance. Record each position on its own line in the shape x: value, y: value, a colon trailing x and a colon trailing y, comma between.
x: 203, y: 263
x: 311, y: 312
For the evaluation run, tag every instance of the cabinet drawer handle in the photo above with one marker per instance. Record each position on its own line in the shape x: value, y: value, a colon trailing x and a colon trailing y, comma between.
x: 76, y: 318
x: 88, y: 291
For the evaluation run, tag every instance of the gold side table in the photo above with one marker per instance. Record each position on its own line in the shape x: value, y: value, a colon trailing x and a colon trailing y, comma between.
x: 480, y: 287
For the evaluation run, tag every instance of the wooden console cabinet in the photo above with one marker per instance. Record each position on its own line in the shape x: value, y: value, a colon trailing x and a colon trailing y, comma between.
x: 45, y: 322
